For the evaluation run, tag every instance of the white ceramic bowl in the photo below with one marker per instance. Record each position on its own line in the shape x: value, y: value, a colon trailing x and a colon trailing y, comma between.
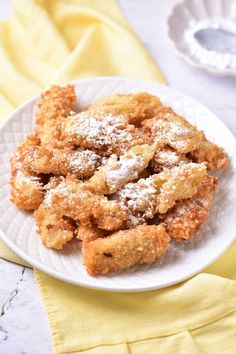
x: 189, y: 16
x: 17, y: 228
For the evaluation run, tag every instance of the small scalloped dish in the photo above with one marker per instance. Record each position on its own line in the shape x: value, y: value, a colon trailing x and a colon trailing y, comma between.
x: 203, y: 33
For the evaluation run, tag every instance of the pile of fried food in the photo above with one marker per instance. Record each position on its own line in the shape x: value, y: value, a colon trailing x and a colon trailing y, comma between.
x: 125, y: 176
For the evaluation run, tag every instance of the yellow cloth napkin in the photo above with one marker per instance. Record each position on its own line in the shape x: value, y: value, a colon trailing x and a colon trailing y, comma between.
x: 48, y: 41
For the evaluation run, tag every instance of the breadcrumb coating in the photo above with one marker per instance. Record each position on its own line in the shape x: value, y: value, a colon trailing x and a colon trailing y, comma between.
x: 105, y: 134
x: 168, y: 128
x: 166, y: 157
x: 159, y: 192
x: 115, y: 171
x: 48, y: 160
x: 118, y: 171
x: 135, y: 107
x: 56, y: 104
x: 214, y: 155
x: 184, y: 220
x: 26, y: 187
x: 71, y: 198
x: 54, y: 228
x: 123, y: 249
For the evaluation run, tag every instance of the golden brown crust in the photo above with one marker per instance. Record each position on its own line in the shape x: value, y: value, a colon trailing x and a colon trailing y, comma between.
x: 134, y: 107
x: 56, y: 104
x: 168, y: 128
x: 71, y: 198
x: 187, y: 216
x: 117, y: 172
x: 123, y: 249
x: 214, y: 155
x: 55, y: 229
x: 124, y: 162
x: 81, y: 163
x: 26, y: 188
x: 166, y: 157
x: 102, y: 133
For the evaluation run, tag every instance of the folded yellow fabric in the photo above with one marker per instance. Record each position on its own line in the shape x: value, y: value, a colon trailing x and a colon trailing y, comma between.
x: 48, y: 41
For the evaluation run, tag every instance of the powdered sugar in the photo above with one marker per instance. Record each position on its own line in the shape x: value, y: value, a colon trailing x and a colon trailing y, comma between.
x: 79, y: 160
x: 29, y: 179
x: 60, y: 188
x: 139, y: 198
x: 127, y: 168
x: 106, y: 131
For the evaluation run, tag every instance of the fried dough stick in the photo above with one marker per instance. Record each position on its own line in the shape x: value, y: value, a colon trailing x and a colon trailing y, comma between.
x: 56, y: 104
x: 71, y: 198
x: 159, y: 192
x: 26, y: 188
x: 45, y: 159
x: 134, y: 106
x: 105, y: 134
x: 123, y: 249
x: 187, y: 216
x: 117, y: 172
x: 168, y: 128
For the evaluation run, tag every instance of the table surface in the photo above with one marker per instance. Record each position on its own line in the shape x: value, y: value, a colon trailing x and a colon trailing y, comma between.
x: 24, y: 327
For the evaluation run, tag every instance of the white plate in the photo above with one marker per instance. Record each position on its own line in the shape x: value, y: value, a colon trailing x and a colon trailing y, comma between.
x: 181, y: 261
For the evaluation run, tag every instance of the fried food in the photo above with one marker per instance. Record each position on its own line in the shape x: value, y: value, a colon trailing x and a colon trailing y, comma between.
x: 187, y: 216
x: 158, y: 193
x: 55, y: 229
x: 168, y: 128
x: 26, y: 188
x: 71, y: 198
x: 123, y: 249
x: 214, y: 155
x: 118, y: 171
x: 56, y: 104
x: 124, y: 177
x: 135, y: 107
x: 105, y: 134
x: 166, y: 157
x: 81, y: 163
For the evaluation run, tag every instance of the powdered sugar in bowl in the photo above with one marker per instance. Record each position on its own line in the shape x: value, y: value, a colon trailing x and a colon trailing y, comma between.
x: 204, y: 34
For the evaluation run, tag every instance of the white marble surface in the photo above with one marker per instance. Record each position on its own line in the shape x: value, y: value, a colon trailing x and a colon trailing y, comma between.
x: 23, y: 324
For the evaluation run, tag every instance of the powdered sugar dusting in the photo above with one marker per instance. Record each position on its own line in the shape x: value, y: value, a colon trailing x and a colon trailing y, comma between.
x: 100, y: 132
x: 79, y: 160
x: 139, y: 198
x: 126, y: 169
x: 60, y: 188
x: 29, y: 179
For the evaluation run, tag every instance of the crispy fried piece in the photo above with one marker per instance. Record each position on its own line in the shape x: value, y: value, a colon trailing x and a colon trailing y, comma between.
x: 26, y: 188
x: 89, y: 233
x: 55, y: 229
x: 166, y: 157
x: 117, y: 172
x: 158, y: 193
x: 123, y: 249
x: 185, y: 219
x: 134, y: 106
x: 45, y: 159
x: 168, y: 128
x: 178, y: 183
x: 56, y: 104
x: 105, y: 134
x: 214, y: 155
x: 72, y: 198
